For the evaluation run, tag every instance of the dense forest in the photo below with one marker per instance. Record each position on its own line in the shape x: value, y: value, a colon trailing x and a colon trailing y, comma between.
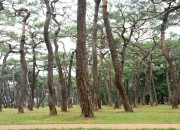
x: 60, y: 53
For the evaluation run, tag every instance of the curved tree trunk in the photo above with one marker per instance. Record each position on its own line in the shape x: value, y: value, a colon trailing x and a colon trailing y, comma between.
x: 115, y: 60
x: 168, y: 56
x: 24, y: 71
x: 61, y: 78
x: 94, y: 53
x: 60, y: 70
x: 52, y: 94
x: 81, y: 61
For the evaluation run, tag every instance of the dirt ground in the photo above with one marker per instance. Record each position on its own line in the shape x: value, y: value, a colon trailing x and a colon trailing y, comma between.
x: 102, y: 126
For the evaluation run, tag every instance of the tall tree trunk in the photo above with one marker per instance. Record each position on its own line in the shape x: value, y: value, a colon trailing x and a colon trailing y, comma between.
x: 168, y: 85
x: 81, y: 61
x: 15, y: 92
x: 152, y: 86
x: 52, y: 94
x: 60, y: 70
x: 94, y: 53
x: 115, y: 60
x: 145, y: 87
x: 108, y: 91
x: 168, y: 56
x: 69, y: 83
x: 33, y: 86
x: 24, y: 71
x: 137, y: 77
x: 117, y: 99
x: 21, y: 98
x: 29, y: 93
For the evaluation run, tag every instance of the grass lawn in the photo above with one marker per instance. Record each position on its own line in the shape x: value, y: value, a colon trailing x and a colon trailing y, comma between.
x: 142, y: 114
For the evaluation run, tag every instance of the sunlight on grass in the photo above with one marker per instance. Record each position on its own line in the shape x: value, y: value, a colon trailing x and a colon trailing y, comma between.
x: 142, y: 114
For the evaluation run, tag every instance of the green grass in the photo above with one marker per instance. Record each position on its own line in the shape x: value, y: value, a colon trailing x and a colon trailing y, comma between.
x: 142, y: 114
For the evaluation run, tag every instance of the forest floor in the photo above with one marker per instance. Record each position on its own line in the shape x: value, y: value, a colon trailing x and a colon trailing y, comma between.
x: 90, y: 126
x: 161, y: 117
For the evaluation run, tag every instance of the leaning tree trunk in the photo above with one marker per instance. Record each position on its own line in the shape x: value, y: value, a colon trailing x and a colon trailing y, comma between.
x: 59, y: 65
x: 24, y: 71
x: 115, y: 60
x: 81, y: 61
x: 94, y: 53
x: 52, y: 94
x: 61, y: 78
x: 168, y: 55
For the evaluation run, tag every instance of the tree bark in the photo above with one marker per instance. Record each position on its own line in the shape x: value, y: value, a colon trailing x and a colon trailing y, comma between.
x: 115, y: 60
x: 33, y: 86
x: 108, y: 91
x: 168, y: 85
x: 24, y: 71
x: 94, y: 53
x: 152, y: 86
x: 145, y: 87
x: 136, y: 78
x: 69, y: 83
x: 81, y: 61
x: 168, y: 56
x: 15, y: 92
x: 2, y: 80
x: 52, y: 94
x: 60, y: 70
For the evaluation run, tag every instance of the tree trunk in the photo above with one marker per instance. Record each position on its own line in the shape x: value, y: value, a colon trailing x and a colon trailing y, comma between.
x: 108, y: 91
x: 29, y: 96
x: 137, y: 88
x: 2, y: 80
x: 168, y: 55
x: 135, y: 78
x: 15, y: 92
x: 168, y: 85
x: 81, y: 61
x: 145, y: 87
x: 52, y: 94
x: 69, y: 83
x: 21, y: 98
x: 115, y: 60
x: 117, y: 99
x: 94, y: 53
x: 33, y: 86
x: 41, y: 98
x: 60, y: 71
x: 152, y: 80
x: 150, y: 88
x: 24, y: 71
